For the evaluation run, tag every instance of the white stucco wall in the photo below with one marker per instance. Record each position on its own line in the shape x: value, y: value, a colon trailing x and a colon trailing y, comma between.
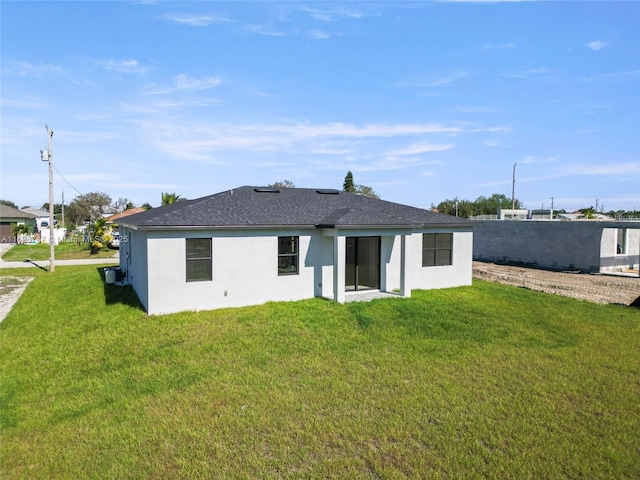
x: 459, y: 273
x: 133, y: 262
x: 610, y: 260
x: 245, y: 268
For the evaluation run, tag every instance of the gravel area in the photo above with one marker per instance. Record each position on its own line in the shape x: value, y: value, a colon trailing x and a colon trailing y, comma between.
x: 591, y: 287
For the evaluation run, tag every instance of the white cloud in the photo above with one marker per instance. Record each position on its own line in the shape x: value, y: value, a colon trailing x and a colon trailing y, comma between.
x: 329, y: 15
x: 534, y: 72
x: 499, y: 46
x: 432, y: 82
x: 262, y: 30
x: 185, y: 82
x: 22, y: 69
x: 124, y: 66
x: 318, y: 34
x: 201, y: 20
x: 418, y: 148
x: 597, y: 45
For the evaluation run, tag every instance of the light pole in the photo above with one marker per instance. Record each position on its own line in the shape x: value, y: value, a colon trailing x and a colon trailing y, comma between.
x: 513, y: 188
x: 47, y: 156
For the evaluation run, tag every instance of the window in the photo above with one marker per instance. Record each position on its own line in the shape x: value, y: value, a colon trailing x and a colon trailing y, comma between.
x: 198, y: 259
x: 621, y: 241
x: 436, y: 249
x: 287, y: 255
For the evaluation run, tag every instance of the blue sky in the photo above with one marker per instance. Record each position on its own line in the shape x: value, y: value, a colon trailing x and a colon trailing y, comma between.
x: 421, y: 101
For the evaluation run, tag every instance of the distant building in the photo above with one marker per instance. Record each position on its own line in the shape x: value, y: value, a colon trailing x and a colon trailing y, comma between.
x: 41, y: 216
x: 601, y: 246
x: 10, y: 216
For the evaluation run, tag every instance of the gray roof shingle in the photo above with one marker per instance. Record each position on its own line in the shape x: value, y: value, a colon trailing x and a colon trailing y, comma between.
x: 263, y: 207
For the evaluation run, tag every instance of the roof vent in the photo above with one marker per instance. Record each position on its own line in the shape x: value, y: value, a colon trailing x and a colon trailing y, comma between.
x: 266, y: 190
x: 328, y: 191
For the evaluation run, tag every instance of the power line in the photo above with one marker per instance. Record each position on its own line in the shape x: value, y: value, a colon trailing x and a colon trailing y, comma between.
x: 79, y: 192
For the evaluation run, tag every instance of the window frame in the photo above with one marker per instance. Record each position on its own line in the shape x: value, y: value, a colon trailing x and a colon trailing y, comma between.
x: 430, y: 254
x: 202, y: 258
x: 295, y: 255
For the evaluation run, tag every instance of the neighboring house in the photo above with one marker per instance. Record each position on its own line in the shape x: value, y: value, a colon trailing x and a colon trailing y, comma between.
x: 593, y: 246
x: 42, y: 217
x: 252, y: 245
x: 10, y: 216
x: 113, y: 221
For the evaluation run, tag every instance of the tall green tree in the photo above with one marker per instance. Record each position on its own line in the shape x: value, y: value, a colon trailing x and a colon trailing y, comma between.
x: 465, y: 208
x: 88, y: 207
x: 169, y: 198
x: 348, y: 185
x: 491, y: 205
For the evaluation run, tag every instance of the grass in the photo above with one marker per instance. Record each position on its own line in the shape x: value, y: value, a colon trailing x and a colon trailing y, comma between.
x: 63, y: 251
x: 488, y: 381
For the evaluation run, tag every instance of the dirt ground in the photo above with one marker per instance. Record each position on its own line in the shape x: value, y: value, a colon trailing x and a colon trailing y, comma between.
x: 584, y: 286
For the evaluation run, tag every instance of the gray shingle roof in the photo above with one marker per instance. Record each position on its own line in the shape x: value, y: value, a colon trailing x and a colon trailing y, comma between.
x: 263, y: 207
x: 8, y: 212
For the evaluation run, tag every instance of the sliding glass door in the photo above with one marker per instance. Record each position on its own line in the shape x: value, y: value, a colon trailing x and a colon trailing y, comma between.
x: 362, y: 271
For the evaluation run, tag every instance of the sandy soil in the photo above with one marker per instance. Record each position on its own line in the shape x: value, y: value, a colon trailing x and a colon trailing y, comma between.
x: 10, y: 290
x: 584, y: 286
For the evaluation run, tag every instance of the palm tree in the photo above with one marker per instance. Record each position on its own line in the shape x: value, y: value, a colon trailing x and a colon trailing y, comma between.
x: 169, y: 198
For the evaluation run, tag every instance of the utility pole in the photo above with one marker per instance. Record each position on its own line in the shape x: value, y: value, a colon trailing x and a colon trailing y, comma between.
x: 513, y: 188
x: 63, y: 210
x: 597, y: 200
x: 47, y: 155
x: 456, y: 206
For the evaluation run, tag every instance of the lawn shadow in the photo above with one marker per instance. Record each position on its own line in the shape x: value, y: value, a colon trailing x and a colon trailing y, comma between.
x: 114, y: 294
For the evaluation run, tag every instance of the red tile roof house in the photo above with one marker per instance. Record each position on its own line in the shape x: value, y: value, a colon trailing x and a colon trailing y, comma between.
x: 252, y: 245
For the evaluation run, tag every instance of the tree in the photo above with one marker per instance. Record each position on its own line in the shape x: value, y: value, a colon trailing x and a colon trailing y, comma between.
x: 88, y: 207
x: 366, y: 191
x: 491, y: 205
x: 123, y: 203
x: 283, y: 184
x: 146, y: 206
x: 589, y: 213
x: 57, y: 208
x: 19, y: 229
x: 9, y: 203
x: 169, y: 198
x: 465, y: 208
x: 348, y: 185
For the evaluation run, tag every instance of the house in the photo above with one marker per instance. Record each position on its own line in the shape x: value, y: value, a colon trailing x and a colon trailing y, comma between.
x: 41, y: 216
x: 113, y: 221
x: 592, y: 246
x: 252, y: 245
x: 10, y: 216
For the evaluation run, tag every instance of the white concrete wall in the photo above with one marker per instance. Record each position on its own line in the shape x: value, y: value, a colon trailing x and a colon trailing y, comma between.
x: 610, y: 260
x: 245, y: 270
x: 459, y: 273
x: 133, y: 262
x: 245, y: 267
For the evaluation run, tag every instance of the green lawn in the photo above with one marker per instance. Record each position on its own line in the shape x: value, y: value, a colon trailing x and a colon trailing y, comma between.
x: 488, y: 381
x: 64, y: 251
